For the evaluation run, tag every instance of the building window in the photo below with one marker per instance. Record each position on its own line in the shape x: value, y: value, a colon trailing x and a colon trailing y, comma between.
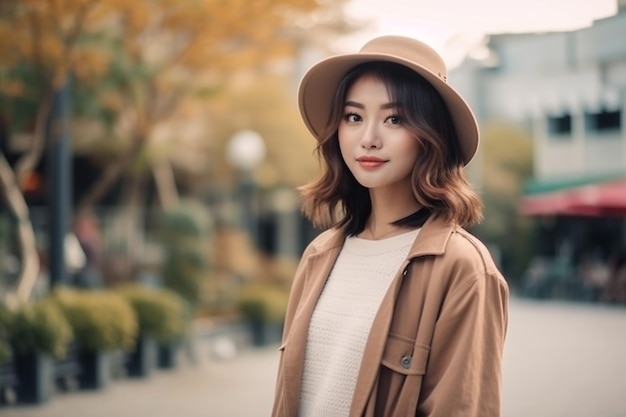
x: 560, y: 126
x: 604, y: 121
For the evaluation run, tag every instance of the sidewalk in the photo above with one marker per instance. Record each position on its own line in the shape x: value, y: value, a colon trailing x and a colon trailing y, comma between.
x: 561, y: 360
x: 235, y: 387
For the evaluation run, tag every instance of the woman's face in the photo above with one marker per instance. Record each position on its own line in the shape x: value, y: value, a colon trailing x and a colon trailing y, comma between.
x: 375, y: 144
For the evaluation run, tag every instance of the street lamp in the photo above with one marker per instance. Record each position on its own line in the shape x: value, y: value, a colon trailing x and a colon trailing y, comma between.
x: 245, y: 151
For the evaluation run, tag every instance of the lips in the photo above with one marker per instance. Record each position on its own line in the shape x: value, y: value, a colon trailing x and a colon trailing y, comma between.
x: 370, y: 162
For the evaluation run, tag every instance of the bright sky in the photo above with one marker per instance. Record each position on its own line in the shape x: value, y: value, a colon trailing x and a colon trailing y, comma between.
x: 452, y: 26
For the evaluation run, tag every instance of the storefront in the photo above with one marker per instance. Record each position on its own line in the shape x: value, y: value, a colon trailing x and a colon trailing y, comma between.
x: 581, y: 236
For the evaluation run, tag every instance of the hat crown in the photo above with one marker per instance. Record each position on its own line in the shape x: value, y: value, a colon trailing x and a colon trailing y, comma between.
x: 409, y: 50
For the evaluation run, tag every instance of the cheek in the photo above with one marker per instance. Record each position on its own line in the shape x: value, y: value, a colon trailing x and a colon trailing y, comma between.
x: 409, y: 146
x: 409, y: 150
x: 344, y: 147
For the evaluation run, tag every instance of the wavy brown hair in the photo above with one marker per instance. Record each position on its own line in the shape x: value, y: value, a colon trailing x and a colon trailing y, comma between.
x: 438, y: 180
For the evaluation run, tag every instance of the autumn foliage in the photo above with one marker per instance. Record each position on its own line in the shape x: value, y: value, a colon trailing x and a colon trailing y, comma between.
x: 133, y: 67
x: 134, y: 64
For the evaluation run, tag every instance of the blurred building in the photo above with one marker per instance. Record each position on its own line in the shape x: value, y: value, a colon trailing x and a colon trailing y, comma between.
x: 569, y: 90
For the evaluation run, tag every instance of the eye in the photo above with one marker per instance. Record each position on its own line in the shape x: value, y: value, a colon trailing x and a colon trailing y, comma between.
x: 394, y: 120
x: 352, y: 117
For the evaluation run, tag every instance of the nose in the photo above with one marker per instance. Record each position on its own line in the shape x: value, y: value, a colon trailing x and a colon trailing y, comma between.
x: 371, y: 137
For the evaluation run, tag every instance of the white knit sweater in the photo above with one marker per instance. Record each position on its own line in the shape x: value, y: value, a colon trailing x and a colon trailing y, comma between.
x: 342, y: 320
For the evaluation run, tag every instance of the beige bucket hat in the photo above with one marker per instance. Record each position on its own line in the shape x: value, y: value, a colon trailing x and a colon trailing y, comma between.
x: 320, y: 82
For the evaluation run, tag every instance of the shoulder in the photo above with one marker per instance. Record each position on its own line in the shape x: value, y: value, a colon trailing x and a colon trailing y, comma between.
x: 470, y: 260
x: 452, y: 245
x: 465, y: 247
x: 328, y: 239
x: 321, y: 245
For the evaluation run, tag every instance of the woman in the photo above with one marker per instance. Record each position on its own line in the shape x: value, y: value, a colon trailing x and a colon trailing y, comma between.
x: 395, y: 310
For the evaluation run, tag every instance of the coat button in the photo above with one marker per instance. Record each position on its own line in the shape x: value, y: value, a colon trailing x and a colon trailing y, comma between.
x: 406, y: 362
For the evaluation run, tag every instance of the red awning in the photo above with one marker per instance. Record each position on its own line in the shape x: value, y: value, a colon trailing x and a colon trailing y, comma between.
x: 599, y: 199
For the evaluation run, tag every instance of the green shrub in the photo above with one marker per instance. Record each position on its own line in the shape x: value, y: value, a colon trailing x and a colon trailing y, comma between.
x: 38, y: 327
x: 184, y: 231
x: 263, y: 303
x: 161, y: 313
x: 101, y: 320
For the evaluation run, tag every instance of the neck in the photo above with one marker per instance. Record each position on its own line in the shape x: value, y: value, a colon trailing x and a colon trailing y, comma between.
x: 388, y: 207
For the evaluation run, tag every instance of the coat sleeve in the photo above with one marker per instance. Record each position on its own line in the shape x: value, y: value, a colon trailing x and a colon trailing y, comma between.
x: 295, y: 292
x: 463, y: 375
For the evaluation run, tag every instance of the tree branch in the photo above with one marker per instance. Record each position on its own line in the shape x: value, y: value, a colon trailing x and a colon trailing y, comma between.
x: 26, y: 236
x: 27, y: 163
x: 79, y: 22
x: 111, y: 175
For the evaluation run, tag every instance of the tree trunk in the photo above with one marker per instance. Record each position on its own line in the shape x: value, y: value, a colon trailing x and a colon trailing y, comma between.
x: 26, y: 236
x: 131, y: 216
x: 165, y: 183
x: 126, y: 227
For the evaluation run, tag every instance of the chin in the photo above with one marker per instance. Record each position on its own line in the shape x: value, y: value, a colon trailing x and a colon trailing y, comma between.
x: 370, y: 184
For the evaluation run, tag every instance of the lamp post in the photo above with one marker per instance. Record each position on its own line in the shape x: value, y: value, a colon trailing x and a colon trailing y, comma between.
x: 60, y: 188
x: 245, y: 151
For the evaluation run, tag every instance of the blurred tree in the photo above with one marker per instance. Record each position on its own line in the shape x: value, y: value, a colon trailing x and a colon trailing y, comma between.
x: 137, y: 65
x: 170, y: 55
x: 506, y: 163
x: 38, y: 42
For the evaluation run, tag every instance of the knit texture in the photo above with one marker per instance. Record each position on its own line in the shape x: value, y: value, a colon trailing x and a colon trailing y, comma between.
x: 342, y: 320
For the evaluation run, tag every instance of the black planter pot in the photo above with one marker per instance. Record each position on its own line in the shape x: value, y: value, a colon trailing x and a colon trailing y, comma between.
x: 35, y: 376
x: 8, y: 380
x: 67, y: 369
x: 143, y: 360
x: 168, y: 355
x: 96, y: 368
x: 118, y: 360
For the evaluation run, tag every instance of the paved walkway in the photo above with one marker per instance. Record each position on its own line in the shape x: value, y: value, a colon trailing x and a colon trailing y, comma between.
x: 561, y: 360
x: 237, y: 387
x: 565, y: 360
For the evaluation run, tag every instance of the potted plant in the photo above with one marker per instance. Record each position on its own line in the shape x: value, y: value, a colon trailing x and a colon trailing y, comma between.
x: 8, y: 378
x: 263, y: 307
x: 163, y: 318
x: 38, y: 332
x: 103, y: 323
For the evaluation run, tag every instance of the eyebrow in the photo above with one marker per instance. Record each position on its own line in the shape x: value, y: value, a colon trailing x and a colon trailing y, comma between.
x: 361, y: 106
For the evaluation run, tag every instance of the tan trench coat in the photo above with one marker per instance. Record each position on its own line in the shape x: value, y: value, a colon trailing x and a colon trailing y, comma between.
x: 435, y: 348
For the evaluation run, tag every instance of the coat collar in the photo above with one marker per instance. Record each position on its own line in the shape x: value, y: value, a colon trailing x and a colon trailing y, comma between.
x: 431, y: 240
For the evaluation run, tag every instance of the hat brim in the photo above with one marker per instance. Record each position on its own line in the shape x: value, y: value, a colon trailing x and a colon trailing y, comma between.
x: 319, y: 84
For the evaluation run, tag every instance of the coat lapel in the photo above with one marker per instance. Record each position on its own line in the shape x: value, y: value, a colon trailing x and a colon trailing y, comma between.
x: 375, y: 346
x: 317, y: 271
